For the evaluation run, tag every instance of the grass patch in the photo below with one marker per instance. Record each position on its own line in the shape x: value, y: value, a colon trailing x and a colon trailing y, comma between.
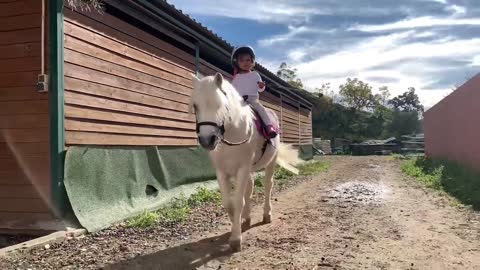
x: 456, y: 180
x: 203, y: 196
x: 145, y: 220
x: 312, y: 168
x: 397, y: 157
x: 177, y: 211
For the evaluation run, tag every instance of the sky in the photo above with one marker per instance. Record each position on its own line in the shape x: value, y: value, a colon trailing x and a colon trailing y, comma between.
x: 432, y: 45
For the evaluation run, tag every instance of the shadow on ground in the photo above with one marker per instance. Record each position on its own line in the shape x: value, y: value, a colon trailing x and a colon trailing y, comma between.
x: 188, y: 256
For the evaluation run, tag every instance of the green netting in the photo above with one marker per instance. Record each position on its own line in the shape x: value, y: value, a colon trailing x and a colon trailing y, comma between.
x: 106, y: 185
x: 305, y: 152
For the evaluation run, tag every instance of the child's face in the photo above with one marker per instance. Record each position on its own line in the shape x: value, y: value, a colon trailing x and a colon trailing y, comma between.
x: 245, y: 62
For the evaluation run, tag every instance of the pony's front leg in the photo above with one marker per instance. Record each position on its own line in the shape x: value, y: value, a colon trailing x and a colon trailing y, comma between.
x: 225, y: 189
x: 243, y: 177
x: 268, y: 181
x: 248, y: 203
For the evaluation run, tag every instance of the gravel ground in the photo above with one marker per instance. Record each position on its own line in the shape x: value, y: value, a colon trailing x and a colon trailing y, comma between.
x: 361, y: 214
x: 120, y: 243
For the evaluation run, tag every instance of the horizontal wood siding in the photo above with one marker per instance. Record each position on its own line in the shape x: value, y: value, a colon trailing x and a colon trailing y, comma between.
x: 24, y: 117
x: 124, y: 86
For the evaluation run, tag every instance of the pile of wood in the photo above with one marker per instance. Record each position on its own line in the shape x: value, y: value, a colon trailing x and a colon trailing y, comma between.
x: 413, y: 143
x: 323, y: 145
x: 376, y: 147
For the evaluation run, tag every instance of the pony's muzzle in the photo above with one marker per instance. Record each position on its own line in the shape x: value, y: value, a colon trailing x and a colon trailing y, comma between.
x: 208, y: 142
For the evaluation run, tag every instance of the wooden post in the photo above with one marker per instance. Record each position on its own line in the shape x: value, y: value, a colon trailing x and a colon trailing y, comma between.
x: 299, y: 127
x: 57, y: 129
x: 197, y: 59
x: 281, y: 117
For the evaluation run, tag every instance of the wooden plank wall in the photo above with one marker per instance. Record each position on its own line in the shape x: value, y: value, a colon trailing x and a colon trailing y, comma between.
x: 24, y: 117
x: 306, y: 132
x: 295, y: 123
x: 124, y: 86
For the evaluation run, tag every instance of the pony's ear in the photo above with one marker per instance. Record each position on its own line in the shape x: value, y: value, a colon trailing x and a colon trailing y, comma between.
x: 195, y: 79
x: 218, y: 80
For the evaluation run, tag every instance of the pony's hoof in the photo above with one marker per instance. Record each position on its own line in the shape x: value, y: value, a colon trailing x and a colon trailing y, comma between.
x: 236, y: 245
x: 267, y: 219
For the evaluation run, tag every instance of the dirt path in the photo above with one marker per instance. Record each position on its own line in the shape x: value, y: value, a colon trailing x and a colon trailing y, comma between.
x: 362, y: 214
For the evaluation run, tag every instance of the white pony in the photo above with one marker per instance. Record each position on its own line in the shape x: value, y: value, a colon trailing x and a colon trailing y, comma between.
x: 226, y: 128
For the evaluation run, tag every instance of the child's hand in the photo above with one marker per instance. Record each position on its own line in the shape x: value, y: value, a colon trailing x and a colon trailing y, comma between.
x: 261, y: 85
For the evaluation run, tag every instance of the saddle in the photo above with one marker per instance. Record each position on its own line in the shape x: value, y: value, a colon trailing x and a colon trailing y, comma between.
x: 260, y: 125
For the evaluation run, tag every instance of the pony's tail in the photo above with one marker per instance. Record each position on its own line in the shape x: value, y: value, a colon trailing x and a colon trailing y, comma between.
x: 288, y: 158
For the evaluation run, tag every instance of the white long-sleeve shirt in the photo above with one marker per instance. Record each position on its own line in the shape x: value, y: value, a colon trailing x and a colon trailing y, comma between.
x: 247, y: 83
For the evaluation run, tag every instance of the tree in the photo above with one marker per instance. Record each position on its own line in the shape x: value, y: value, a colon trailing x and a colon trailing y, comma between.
x: 384, y: 95
x: 407, y: 102
x: 323, y: 90
x: 404, y: 123
x: 87, y: 5
x: 357, y: 95
x: 289, y: 74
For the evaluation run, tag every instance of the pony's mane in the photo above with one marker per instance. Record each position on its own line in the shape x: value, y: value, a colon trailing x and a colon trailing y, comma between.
x: 234, y: 110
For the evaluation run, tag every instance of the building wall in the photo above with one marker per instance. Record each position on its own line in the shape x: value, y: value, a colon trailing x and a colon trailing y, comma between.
x: 452, y: 127
x: 24, y: 118
x: 124, y: 86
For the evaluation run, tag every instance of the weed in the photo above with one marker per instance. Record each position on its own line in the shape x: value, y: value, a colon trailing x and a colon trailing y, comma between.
x: 456, y: 180
x: 145, y: 220
x: 177, y: 211
x: 174, y: 215
x: 313, y: 168
x: 397, y: 157
x: 203, y: 196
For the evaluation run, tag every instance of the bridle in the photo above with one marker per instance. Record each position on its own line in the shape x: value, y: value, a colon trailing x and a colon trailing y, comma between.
x: 221, y: 130
x: 221, y: 133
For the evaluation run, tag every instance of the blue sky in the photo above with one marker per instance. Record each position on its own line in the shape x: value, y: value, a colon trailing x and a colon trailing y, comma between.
x: 432, y: 45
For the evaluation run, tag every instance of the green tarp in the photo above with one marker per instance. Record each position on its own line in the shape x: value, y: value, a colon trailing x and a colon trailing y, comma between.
x: 305, y: 152
x: 106, y: 185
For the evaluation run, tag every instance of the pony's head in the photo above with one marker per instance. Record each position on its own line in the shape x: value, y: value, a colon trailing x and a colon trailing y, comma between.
x: 216, y: 104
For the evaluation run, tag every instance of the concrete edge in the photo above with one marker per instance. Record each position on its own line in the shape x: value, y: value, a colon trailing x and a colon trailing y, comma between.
x: 50, y: 238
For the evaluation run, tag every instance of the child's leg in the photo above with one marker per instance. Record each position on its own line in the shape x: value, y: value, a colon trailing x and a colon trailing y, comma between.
x: 258, y: 107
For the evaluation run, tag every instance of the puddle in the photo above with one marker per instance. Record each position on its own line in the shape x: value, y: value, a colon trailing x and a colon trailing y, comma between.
x: 360, y: 192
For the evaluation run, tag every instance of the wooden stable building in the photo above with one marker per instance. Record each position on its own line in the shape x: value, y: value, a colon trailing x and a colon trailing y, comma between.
x: 119, y: 78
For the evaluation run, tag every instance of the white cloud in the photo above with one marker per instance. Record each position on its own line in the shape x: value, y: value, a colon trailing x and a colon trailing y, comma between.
x: 415, y: 23
x: 257, y: 10
x: 416, y: 51
x: 439, y: 1
x: 425, y: 34
x: 297, y: 55
x: 404, y: 65
x: 457, y: 10
x: 293, y: 32
x: 476, y: 61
